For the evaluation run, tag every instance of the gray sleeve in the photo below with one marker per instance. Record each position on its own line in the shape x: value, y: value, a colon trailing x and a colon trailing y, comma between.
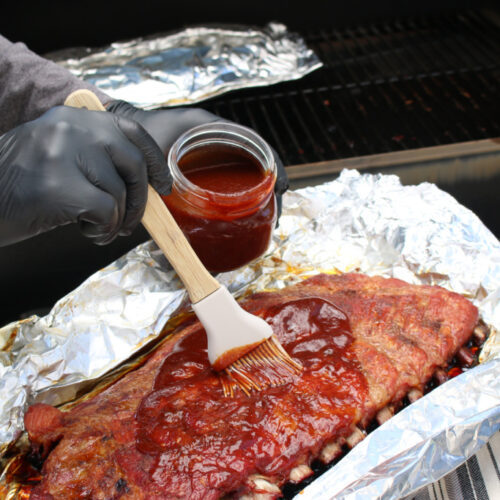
x: 30, y: 85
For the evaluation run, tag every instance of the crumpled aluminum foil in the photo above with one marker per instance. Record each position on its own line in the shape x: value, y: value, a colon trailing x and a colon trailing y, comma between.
x: 192, y: 65
x: 369, y: 223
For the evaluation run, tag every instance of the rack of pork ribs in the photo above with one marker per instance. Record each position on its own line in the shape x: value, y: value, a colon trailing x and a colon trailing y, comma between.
x: 165, y: 430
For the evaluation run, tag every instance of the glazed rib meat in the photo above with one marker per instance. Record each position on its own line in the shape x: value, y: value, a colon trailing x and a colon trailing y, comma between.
x: 165, y: 430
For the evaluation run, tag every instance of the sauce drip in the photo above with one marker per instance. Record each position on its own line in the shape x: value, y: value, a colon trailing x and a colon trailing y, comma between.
x: 186, y: 415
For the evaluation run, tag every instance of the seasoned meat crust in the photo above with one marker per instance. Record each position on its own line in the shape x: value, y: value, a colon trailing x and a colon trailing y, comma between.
x: 166, y: 431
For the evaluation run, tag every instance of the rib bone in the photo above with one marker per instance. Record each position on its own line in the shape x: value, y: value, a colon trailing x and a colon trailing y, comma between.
x: 385, y: 414
x: 300, y: 472
x: 481, y: 332
x: 261, y: 488
x: 355, y: 438
x: 414, y: 395
x: 330, y: 451
x: 441, y: 376
x: 465, y: 356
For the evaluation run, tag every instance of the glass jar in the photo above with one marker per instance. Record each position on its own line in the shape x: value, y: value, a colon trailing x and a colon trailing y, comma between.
x: 223, y: 193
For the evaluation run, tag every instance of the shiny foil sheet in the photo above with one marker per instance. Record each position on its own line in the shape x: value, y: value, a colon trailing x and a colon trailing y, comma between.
x: 193, y: 64
x: 367, y: 223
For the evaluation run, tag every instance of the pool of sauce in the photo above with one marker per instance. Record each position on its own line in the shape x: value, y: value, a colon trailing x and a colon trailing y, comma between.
x: 190, y: 428
x: 222, y: 169
x: 225, y: 231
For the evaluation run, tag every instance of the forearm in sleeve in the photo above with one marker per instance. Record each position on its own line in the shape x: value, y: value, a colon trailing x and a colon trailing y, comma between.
x: 30, y: 85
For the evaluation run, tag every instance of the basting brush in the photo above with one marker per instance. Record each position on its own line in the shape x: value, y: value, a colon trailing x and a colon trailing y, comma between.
x: 241, y: 346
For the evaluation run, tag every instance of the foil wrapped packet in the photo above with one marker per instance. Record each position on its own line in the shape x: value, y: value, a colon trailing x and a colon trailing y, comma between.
x: 192, y: 65
x: 367, y: 223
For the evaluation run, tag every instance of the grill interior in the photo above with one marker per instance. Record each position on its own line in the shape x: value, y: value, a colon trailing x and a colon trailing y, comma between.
x: 390, y: 86
x: 393, y: 87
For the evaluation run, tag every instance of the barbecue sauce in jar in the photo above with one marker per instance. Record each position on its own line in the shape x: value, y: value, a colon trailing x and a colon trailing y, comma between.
x: 223, y: 194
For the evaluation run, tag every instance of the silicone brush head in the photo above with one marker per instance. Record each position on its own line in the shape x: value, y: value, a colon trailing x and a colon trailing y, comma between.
x: 266, y: 365
x: 242, y: 346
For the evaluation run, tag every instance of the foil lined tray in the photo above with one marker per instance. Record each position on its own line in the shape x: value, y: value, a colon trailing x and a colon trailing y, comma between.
x: 366, y: 223
x: 192, y: 65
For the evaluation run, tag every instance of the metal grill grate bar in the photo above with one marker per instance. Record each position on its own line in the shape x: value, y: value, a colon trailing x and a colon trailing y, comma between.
x: 387, y: 87
x: 422, y: 134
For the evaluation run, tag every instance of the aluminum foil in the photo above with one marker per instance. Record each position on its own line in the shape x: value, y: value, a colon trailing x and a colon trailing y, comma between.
x: 192, y: 65
x: 369, y: 223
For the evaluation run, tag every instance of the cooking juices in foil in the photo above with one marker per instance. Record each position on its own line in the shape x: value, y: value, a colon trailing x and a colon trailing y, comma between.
x: 358, y: 222
x: 192, y: 65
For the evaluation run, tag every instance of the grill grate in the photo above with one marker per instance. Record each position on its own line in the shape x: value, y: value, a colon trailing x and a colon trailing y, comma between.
x: 391, y: 86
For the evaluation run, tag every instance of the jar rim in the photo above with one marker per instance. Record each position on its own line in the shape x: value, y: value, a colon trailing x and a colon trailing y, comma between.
x: 220, y: 132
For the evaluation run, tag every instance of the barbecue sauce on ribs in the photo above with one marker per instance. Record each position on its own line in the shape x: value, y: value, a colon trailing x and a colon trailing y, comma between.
x: 166, y: 431
x: 187, y: 412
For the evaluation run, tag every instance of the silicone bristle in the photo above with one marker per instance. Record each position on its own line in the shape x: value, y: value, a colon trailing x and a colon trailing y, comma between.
x: 268, y: 365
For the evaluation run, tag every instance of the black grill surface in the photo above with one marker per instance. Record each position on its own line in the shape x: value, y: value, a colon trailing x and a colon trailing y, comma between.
x: 391, y: 86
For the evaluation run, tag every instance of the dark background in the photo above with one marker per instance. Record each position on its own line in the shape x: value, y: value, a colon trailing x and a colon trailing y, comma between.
x: 52, y: 25
x: 37, y: 272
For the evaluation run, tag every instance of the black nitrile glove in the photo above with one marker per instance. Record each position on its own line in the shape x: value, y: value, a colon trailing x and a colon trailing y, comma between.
x: 165, y: 126
x: 75, y: 165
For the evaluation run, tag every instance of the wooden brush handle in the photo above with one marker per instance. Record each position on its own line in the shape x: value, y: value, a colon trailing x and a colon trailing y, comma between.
x: 168, y: 236
x: 161, y: 225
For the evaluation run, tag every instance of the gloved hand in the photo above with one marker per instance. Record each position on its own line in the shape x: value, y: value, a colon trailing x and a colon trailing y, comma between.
x: 75, y: 165
x: 165, y: 126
